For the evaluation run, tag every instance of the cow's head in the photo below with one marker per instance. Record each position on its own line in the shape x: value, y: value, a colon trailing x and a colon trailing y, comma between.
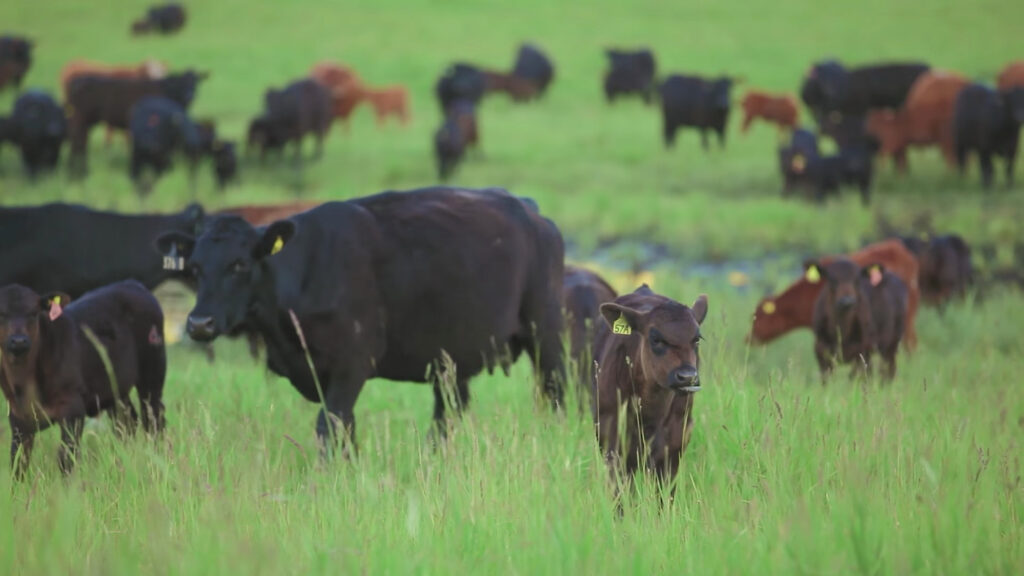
x: 229, y: 264
x: 668, y: 333
x: 21, y: 312
x: 181, y: 87
x: 842, y: 284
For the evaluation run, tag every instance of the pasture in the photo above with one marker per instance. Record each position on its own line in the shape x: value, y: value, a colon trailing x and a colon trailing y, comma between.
x: 784, y: 476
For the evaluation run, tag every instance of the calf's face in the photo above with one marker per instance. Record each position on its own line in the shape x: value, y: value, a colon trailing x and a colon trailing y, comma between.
x: 842, y: 280
x: 669, y: 335
x: 228, y: 263
x: 21, y: 311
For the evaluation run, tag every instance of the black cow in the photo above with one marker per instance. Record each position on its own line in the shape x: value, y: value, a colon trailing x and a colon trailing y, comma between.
x: 831, y: 87
x: 53, y: 372
x: 38, y: 127
x: 629, y: 72
x: 225, y: 162
x: 988, y: 122
x: 75, y: 249
x: 160, y: 127
x: 460, y: 82
x: 697, y: 102
x: 533, y: 65
x: 15, y: 60
x: 456, y: 134
x: 95, y: 99
x: 164, y: 19
x: 303, y: 107
x: 803, y: 146
x: 945, y: 270
x: 384, y: 286
x: 265, y: 136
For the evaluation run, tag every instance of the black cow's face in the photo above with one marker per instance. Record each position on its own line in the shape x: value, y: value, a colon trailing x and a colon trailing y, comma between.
x: 228, y: 262
x: 843, y: 279
x: 182, y: 87
x: 21, y: 311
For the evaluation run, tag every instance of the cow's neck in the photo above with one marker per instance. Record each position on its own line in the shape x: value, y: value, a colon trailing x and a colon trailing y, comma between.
x: 273, y: 322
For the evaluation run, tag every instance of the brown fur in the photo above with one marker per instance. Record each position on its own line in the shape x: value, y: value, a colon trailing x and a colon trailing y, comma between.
x: 348, y: 91
x: 387, y: 101
x: 778, y: 109
x: 652, y: 372
x: 1012, y: 76
x: 583, y: 292
x: 262, y: 215
x: 519, y: 89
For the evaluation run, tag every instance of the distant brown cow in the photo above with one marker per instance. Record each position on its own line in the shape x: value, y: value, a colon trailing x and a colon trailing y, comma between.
x: 1011, y: 77
x: 859, y: 311
x: 345, y: 86
x: 387, y: 101
x: 519, y: 89
x: 262, y: 215
x: 794, y: 307
x: 778, y: 109
x: 648, y: 364
x: 53, y: 374
x: 583, y: 292
x: 925, y: 120
x: 151, y: 69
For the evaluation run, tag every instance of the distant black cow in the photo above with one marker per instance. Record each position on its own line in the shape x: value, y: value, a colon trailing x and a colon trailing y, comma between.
x: 831, y: 87
x: 533, y: 65
x: 53, y: 373
x: 75, y: 249
x: 225, y: 162
x: 38, y: 127
x: 160, y: 128
x: 382, y: 286
x: 629, y: 72
x: 300, y: 108
x: 696, y: 102
x: 460, y: 82
x: 265, y: 136
x: 94, y: 99
x: 454, y: 137
x: 945, y: 270
x: 988, y: 122
x: 163, y: 19
x: 793, y: 158
x: 15, y: 60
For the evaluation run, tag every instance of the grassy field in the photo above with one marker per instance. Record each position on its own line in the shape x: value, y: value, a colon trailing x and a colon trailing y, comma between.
x: 784, y: 476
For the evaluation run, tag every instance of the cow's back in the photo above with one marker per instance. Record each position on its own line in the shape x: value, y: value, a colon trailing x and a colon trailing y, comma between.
x: 930, y: 104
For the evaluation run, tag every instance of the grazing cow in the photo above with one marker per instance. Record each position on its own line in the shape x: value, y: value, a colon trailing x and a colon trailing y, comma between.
x: 778, y: 109
x: 697, y: 102
x: 794, y: 307
x: 162, y: 19
x: 803, y: 146
x: 268, y: 214
x: 1011, y: 77
x: 93, y: 99
x: 859, y: 310
x: 160, y: 127
x: 344, y: 85
x: 384, y: 286
x: 387, y: 101
x: 926, y: 118
x: 15, y: 60
x: 457, y: 134
x: 648, y: 370
x: 151, y: 69
x: 945, y: 267
x: 830, y: 87
x: 630, y: 72
x: 988, y: 122
x: 75, y: 249
x: 534, y: 65
x: 54, y: 373
x: 519, y: 89
x: 225, y: 162
x: 303, y: 107
x: 824, y: 175
x: 266, y: 136
x: 460, y: 82
x: 583, y: 292
x: 37, y: 125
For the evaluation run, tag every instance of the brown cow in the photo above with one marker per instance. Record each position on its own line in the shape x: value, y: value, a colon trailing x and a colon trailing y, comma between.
x: 1011, y: 77
x: 583, y: 292
x: 152, y: 69
x: 262, y: 215
x: 794, y: 307
x: 347, y: 90
x: 52, y: 372
x: 778, y: 109
x: 648, y: 363
x: 386, y: 101
x: 926, y: 118
x: 519, y: 89
x: 859, y: 310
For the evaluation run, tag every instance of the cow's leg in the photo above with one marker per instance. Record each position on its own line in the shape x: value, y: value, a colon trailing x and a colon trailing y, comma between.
x: 340, y: 400
x: 546, y: 350
x: 985, y: 160
x: 961, y: 159
x: 899, y: 158
x: 124, y: 417
x: 704, y: 139
x: 826, y: 362
x: 136, y: 171
x: 22, y: 443
x: 1011, y: 158
x: 668, y: 132
x: 70, y: 434
x: 456, y: 398
x: 720, y: 130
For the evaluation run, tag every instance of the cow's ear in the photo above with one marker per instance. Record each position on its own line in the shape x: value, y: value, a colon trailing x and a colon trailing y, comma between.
x: 52, y: 304
x: 623, y: 320
x: 874, y: 273
x: 175, y: 247
x: 814, y: 272
x: 274, y: 239
x: 700, y: 308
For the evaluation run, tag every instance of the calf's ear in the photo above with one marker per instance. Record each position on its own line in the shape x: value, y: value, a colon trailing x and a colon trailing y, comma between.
x: 274, y: 239
x: 622, y: 319
x: 175, y: 247
x: 700, y: 308
x: 53, y: 303
x: 814, y: 272
x: 874, y: 273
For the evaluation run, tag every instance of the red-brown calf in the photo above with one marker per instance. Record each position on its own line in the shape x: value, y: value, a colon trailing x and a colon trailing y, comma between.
x: 1011, y: 77
x: 779, y: 109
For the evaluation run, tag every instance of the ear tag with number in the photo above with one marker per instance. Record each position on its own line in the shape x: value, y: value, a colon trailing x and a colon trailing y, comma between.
x: 621, y: 326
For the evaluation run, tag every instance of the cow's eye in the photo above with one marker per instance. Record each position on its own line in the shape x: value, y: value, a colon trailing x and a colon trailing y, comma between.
x: 239, y: 267
x: 697, y: 339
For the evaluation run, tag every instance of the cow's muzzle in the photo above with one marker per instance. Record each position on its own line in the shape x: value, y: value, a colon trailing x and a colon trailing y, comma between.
x: 18, y: 345
x: 685, y: 379
x: 201, y: 328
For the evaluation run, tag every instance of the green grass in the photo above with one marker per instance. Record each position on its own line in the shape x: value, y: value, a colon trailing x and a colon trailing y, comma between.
x: 783, y: 476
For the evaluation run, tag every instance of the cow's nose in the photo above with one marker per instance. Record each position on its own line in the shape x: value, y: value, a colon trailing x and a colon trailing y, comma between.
x: 201, y: 327
x: 684, y: 379
x: 18, y: 344
x: 846, y: 302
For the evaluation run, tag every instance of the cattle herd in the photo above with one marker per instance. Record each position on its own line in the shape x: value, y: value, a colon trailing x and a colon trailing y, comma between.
x: 406, y: 285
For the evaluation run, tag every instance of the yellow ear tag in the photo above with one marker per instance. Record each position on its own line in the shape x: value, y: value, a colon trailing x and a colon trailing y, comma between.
x: 875, y: 275
x: 621, y: 326
x: 799, y: 163
x: 278, y: 244
x: 813, y: 275
x: 768, y: 307
x: 56, y: 300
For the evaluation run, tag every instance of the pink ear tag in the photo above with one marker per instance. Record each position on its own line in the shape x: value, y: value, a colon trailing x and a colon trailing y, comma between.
x: 55, y: 309
x: 875, y: 276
